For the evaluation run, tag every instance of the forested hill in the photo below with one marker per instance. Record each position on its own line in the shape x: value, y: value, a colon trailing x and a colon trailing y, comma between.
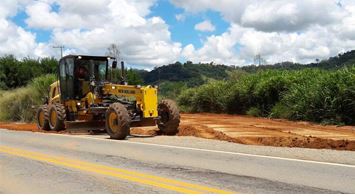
x: 18, y: 72
x: 194, y: 73
x: 336, y: 62
x: 197, y: 73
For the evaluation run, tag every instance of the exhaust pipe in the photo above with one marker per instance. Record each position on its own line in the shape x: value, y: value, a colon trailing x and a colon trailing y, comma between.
x: 123, y: 74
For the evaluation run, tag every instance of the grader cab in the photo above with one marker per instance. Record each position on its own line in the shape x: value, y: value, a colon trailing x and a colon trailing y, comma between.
x: 86, y: 92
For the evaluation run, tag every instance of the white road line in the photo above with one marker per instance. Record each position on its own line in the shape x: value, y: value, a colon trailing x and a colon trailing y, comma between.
x: 207, y: 150
x: 202, y: 150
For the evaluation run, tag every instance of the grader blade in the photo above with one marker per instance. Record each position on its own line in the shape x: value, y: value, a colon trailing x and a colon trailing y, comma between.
x: 84, y: 126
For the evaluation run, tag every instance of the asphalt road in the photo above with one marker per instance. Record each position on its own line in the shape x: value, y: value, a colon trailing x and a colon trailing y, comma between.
x: 51, y: 163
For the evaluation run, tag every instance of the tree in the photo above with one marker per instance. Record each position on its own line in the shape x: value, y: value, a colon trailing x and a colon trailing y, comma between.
x: 133, y: 77
x: 114, y: 51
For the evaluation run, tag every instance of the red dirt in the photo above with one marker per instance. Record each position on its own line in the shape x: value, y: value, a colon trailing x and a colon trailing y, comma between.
x: 267, y: 132
x: 246, y: 130
x: 19, y: 126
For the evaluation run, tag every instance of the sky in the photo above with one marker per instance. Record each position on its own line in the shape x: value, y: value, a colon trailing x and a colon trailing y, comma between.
x: 152, y: 33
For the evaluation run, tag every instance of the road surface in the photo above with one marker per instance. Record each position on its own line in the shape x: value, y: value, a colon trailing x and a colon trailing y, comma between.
x: 55, y: 163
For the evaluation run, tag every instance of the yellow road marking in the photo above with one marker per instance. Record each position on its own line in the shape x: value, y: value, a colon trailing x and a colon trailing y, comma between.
x: 147, y: 179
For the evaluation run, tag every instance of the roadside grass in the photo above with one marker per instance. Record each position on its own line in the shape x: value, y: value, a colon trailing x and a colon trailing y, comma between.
x: 16, y: 105
x: 323, y: 96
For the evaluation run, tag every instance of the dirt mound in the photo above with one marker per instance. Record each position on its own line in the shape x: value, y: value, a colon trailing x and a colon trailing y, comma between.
x: 33, y: 127
x: 298, y: 141
x: 19, y: 126
x: 307, y: 142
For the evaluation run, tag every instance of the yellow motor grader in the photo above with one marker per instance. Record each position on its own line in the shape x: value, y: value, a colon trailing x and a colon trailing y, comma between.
x: 85, y: 92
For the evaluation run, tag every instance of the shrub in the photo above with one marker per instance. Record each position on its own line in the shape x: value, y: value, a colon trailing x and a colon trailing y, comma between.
x: 41, y: 84
x: 308, y: 94
x: 269, y: 88
x: 210, y: 97
x: 325, y: 96
x: 171, y: 90
x: 261, y: 90
x: 240, y: 99
x: 16, y: 105
x: 16, y: 73
x: 280, y: 111
x: 253, y: 111
x: 186, y: 100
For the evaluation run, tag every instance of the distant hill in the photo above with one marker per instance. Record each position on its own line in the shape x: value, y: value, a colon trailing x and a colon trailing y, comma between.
x: 196, y: 74
x: 336, y: 62
x: 18, y: 72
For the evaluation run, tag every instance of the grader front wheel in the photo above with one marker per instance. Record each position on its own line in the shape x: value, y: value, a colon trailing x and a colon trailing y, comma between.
x: 169, y: 117
x: 42, y: 118
x: 117, y: 121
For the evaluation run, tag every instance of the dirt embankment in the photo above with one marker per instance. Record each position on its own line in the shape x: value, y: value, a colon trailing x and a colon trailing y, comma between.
x: 247, y: 130
x: 268, y: 132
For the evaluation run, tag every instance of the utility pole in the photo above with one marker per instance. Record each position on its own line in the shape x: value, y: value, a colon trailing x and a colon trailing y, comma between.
x: 61, y: 50
x: 259, y: 60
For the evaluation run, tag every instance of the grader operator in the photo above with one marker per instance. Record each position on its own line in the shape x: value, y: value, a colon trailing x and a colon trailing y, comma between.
x: 85, y: 92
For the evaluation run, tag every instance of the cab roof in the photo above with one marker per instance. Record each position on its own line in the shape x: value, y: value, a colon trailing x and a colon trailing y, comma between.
x: 88, y: 57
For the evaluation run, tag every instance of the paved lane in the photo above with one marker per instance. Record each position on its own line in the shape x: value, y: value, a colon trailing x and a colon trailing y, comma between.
x: 88, y: 164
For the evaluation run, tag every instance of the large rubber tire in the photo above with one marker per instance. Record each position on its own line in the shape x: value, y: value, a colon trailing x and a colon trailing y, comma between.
x: 117, y: 121
x: 57, y: 117
x: 169, y: 117
x: 42, y: 118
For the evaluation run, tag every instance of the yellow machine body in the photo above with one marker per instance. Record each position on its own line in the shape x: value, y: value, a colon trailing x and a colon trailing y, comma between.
x: 89, y: 94
x: 146, y: 98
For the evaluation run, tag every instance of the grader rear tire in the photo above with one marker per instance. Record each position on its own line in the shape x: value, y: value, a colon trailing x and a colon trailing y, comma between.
x: 56, y: 117
x: 169, y: 117
x: 117, y: 121
x: 42, y: 118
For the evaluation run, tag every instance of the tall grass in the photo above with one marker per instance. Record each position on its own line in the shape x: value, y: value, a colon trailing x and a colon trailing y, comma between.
x: 16, y: 105
x: 308, y: 94
x: 210, y: 97
x: 326, y: 97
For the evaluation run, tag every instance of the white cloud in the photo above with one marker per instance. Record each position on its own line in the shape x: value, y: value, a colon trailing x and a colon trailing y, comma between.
x: 180, y: 17
x: 14, y: 39
x: 90, y: 14
x: 90, y: 27
x: 284, y: 30
x: 205, y: 26
x: 279, y: 30
x: 270, y: 15
x: 9, y: 8
x: 290, y: 15
x: 148, y: 44
x: 239, y: 45
x: 219, y: 49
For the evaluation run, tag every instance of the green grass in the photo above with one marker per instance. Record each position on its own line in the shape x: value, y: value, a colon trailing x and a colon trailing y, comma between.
x: 322, y: 96
x: 20, y: 104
